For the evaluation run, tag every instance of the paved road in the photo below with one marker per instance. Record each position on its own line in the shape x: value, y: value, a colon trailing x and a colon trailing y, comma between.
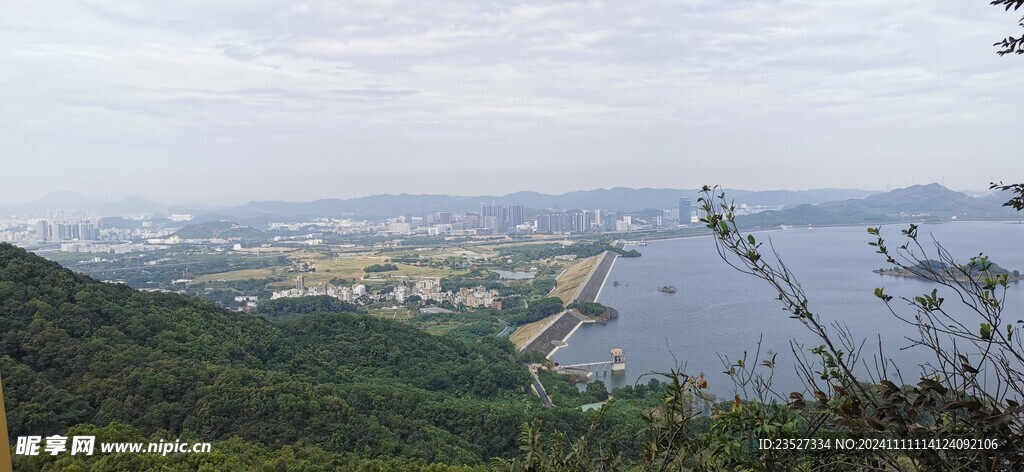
x: 508, y: 328
x: 544, y: 400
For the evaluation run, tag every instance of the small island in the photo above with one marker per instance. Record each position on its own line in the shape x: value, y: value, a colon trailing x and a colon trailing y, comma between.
x: 943, y: 270
x: 668, y: 289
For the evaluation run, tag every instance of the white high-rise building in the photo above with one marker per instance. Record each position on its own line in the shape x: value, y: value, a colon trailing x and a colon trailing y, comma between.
x: 358, y: 290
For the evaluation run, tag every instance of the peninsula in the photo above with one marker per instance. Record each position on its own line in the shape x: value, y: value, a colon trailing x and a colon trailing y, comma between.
x: 930, y: 269
x: 548, y: 335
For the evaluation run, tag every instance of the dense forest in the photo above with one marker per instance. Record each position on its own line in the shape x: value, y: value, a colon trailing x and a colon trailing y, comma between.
x: 546, y: 251
x: 380, y: 268
x: 537, y: 310
x: 74, y: 351
x: 292, y: 306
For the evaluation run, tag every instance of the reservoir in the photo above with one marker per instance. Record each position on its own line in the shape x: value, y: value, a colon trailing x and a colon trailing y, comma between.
x: 720, y: 311
x: 513, y: 274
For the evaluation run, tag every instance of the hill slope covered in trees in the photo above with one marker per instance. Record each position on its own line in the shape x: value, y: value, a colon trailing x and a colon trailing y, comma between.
x: 74, y: 351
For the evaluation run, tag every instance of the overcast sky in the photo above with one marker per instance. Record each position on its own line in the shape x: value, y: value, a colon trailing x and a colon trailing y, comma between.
x: 231, y: 100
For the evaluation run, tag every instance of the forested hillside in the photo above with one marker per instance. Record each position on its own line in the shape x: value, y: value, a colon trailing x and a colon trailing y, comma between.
x: 76, y: 351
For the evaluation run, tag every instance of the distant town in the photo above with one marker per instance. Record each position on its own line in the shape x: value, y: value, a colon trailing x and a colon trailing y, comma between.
x: 492, y: 265
x: 136, y: 232
x: 495, y: 258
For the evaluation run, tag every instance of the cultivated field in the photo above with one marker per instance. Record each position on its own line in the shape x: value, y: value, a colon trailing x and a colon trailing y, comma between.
x: 351, y: 268
x: 234, y: 275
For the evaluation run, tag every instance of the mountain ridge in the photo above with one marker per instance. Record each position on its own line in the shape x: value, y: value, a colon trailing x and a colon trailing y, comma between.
x: 926, y: 202
x: 616, y: 199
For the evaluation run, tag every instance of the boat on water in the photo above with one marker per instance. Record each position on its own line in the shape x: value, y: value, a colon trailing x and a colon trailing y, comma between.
x: 615, y: 283
x: 643, y: 242
x: 809, y: 228
x: 667, y: 289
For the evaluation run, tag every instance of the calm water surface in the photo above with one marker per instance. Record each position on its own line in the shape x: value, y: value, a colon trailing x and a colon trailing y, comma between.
x: 717, y: 310
x: 513, y: 275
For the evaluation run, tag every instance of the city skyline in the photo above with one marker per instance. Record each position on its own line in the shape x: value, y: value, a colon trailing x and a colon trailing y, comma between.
x: 101, y: 198
x: 192, y: 101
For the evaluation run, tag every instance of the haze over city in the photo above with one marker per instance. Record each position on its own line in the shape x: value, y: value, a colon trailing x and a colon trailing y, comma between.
x: 532, y: 236
x: 225, y: 103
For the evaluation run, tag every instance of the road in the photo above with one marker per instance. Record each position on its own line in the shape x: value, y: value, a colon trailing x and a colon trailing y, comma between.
x: 544, y: 400
x: 508, y: 328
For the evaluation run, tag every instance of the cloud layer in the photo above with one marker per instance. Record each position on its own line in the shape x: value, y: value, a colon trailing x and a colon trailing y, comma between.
x: 235, y: 100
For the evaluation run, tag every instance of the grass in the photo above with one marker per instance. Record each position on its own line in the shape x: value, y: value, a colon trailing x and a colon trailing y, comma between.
x: 351, y: 268
x: 344, y: 267
x: 432, y: 253
x: 518, y: 243
x: 524, y: 333
x: 447, y: 323
x: 573, y: 279
x: 243, y: 274
x: 474, y: 252
x: 400, y: 313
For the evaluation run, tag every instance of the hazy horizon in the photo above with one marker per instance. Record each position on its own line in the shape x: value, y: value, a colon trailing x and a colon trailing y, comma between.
x: 226, y: 103
x: 106, y: 197
x: 200, y: 205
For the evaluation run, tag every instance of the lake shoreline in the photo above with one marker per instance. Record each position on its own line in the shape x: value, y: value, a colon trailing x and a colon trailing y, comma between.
x: 655, y: 238
x: 603, y: 269
x: 660, y: 331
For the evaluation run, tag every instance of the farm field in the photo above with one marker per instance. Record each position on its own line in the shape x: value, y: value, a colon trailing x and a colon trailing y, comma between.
x: 243, y: 274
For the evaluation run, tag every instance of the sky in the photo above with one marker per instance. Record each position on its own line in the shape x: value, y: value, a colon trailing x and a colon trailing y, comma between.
x: 222, y: 102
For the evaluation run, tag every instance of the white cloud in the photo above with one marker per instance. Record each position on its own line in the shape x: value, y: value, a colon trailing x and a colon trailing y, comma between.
x: 103, y: 84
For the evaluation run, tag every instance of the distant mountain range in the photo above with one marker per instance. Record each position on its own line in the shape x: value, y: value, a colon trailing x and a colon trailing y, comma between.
x: 931, y: 202
x: 819, y: 206
x: 616, y: 199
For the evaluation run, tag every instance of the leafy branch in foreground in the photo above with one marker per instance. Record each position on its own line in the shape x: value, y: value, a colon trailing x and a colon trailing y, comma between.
x: 970, y: 391
x: 1017, y: 201
x: 1010, y: 45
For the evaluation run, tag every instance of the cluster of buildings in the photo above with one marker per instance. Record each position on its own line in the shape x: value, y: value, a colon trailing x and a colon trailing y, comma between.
x: 67, y: 230
x: 82, y: 234
x: 328, y: 225
x: 429, y: 288
x: 75, y: 235
x: 582, y: 221
x: 505, y: 219
x: 343, y: 293
x: 107, y: 247
x: 492, y: 219
x: 248, y: 302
